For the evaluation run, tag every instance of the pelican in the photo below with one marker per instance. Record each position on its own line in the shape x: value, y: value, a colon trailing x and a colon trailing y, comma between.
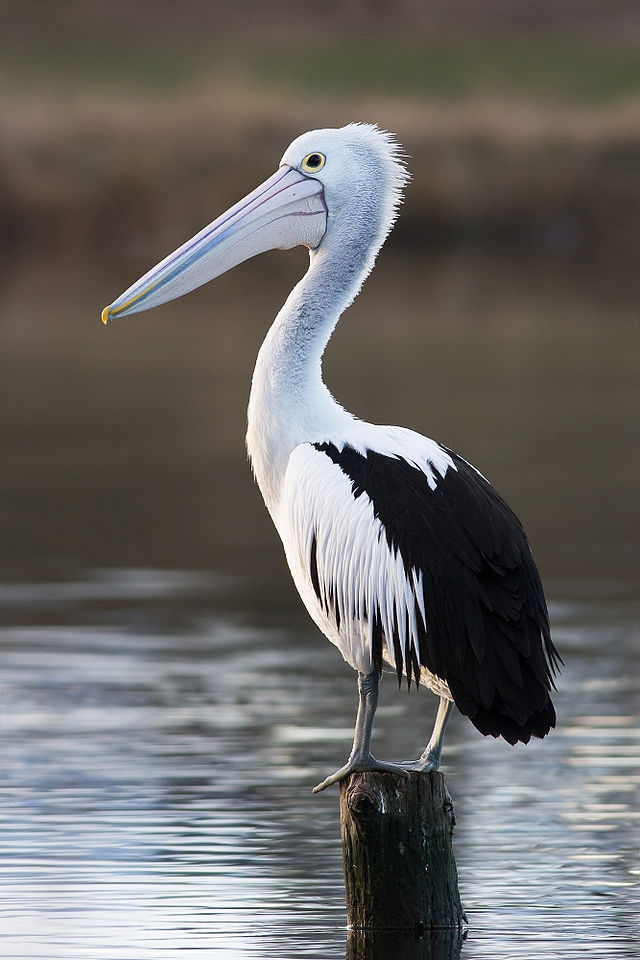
x: 403, y: 553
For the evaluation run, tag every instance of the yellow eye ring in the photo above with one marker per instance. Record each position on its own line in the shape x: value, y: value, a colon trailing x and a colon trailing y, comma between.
x: 313, y: 162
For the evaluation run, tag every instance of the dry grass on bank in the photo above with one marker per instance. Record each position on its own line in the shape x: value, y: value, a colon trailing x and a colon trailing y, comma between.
x: 90, y: 172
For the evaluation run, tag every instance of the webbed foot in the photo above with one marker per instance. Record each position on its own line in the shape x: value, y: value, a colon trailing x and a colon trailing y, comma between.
x: 353, y: 764
x: 430, y: 760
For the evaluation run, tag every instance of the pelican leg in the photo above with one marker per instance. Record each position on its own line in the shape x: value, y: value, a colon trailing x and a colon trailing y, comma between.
x: 360, y: 757
x: 430, y: 759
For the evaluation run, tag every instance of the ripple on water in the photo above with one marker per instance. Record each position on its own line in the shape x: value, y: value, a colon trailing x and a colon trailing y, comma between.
x: 156, y: 789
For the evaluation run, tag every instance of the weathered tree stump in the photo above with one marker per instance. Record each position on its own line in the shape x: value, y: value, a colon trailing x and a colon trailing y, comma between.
x: 399, y: 867
x: 404, y: 945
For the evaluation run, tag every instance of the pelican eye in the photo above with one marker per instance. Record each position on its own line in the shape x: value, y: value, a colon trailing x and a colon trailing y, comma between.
x: 313, y: 162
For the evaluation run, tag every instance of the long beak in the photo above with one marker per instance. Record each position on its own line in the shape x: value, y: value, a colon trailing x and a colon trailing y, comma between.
x: 285, y: 211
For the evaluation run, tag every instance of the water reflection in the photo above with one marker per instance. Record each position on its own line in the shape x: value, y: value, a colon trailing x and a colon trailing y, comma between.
x: 124, y: 447
x: 156, y: 785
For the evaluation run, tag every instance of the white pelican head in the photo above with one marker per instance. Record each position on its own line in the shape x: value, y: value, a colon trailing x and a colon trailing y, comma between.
x: 334, y: 184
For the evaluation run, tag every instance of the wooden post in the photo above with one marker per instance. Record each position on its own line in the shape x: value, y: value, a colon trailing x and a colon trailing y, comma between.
x: 400, y: 872
x: 403, y: 945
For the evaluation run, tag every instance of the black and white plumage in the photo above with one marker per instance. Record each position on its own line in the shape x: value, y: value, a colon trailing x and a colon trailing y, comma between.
x: 402, y: 552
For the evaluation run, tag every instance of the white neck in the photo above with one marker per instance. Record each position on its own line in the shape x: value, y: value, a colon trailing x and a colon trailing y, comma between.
x: 289, y: 402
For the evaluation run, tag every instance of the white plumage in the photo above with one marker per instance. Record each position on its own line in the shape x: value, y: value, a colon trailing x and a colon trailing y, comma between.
x: 401, y: 551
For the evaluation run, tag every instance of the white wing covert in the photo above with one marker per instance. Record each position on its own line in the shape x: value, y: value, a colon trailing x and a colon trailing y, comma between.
x: 339, y: 550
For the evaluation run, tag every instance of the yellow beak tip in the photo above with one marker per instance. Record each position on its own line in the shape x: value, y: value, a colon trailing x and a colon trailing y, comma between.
x: 105, y: 315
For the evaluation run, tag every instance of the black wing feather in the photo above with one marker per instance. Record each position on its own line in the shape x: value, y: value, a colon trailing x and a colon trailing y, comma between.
x: 487, y: 627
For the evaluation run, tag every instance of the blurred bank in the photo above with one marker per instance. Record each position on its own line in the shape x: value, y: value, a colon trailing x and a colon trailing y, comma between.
x: 501, y: 319
x: 120, y: 122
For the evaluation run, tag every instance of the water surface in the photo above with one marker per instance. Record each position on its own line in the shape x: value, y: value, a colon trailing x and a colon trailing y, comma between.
x: 157, y: 783
x: 166, y: 705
